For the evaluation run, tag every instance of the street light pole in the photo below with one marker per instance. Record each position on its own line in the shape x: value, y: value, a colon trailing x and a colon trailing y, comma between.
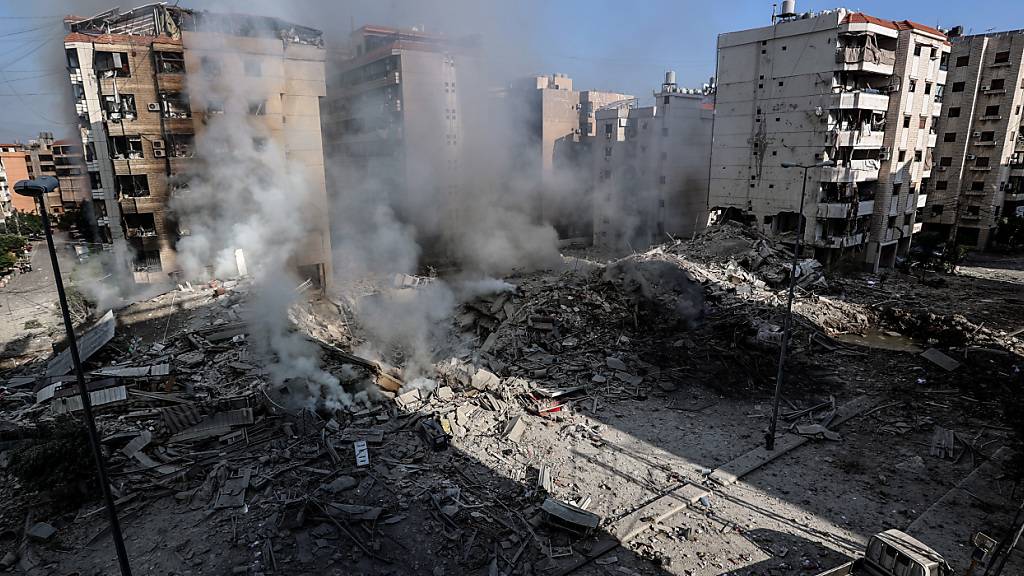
x: 38, y: 188
x: 769, y: 437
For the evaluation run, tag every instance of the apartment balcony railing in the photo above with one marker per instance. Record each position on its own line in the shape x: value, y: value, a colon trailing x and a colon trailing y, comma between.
x: 856, y: 171
x: 845, y: 210
x: 858, y: 138
x: 840, y: 241
x: 866, y: 59
x: 860, y: 100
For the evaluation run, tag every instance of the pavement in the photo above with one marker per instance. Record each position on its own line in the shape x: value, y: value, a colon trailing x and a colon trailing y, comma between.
x: 31, y: 296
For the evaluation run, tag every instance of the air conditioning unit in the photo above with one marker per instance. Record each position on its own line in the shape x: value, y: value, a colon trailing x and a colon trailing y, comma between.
x: 883, y: 154
x: 984, y: 88
x: 158, y: 144
x: 159, y: 153
x: 153, y: 106
x: 971, y: 156
x: 977, y: 134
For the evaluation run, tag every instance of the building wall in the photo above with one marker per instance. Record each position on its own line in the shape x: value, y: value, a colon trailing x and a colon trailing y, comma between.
x: 979, y: 175
x: 651, y: 171
x: 16, y: 167
x: 801, y: 92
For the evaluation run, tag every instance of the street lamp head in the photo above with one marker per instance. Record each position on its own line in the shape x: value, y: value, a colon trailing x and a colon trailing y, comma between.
x: 36, y: 187
x: 826, y: 164
x: 790, y: 165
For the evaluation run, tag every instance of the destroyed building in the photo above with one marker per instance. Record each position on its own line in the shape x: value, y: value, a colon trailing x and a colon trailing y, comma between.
x: 561, y: 132
x: 832, y: 86
x: 139, y: 115
x: 978, y: 178
x: 650, y: 168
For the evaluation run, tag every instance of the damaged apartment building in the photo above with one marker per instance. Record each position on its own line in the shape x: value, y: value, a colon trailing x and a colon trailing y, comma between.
x: 978, y: 179
x: 394, y: 121
x: 139, y: 115
x: 650, y: 168
x: 560, y: 133
x: 837, y: 86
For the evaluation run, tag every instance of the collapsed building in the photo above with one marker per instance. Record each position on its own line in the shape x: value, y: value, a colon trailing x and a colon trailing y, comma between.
x: 979, y: 176
x: 138, y: 79
x: 837, y: 86
x: 651, y: 168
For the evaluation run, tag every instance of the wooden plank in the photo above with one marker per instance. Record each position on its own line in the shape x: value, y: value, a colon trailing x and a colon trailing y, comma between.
x: 658, y: 511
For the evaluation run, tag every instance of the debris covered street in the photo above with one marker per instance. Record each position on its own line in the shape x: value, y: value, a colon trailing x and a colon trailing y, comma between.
x: 597, y: 419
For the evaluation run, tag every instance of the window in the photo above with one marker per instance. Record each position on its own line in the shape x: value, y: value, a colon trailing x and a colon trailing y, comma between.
x: 662, y: 180
x: 937, y: 209
x: 981, y: 161
x: 974, y: 210
x: 917, y: 50
x: 901, y: 156
x: 608, y: 130
x: 906, y: 121
x: 210, y: 65
x: 181, y: 145
x: 112, y: 64
x: 997, y: 84
x: 254, y: 69
x: 258, y: 108
x: 946, y: 161
x: 170, y: 62
x: 906, y: 221
x: 124, y: 147
x: 922, y: 122
x: 949, y: 137
x: 134, y: 186
x: 913, y: 85
x: 72, y: 57
x: 927, y: 87
x: 944, y: 61
x: 1002, y: 57
x: 992, y: 110
x: 118, y: 107
x: 95, y: 183
x: 918, y: 156
x: 214, y: 107
x: 607, y: 151
x: 954, y: 112
x: 978, y: 185
x: 666, y: 100
x: 780, y: 82
x: 958, y: 86
x: 941, y: 184
x: 962, y: 61
x: 175, y: 105
x: 896, y: 189
x: 987, y: 136
x: 664, y: 131
x: 259, y: 143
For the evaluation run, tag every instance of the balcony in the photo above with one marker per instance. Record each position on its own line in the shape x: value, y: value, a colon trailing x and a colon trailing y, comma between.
x: 1016, y: 197
x: 866, y: 59
x: 840, y: 241
x: 856, y: 171
x: 858, y: 138
x: 99, y: 194
x: 860, y: 100
x: 980, y: 168
x: 845, y: 210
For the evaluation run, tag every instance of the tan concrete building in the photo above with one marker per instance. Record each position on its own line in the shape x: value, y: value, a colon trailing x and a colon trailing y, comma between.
x: 978, y: 179
x: 140, y: 114
x: 557, y: 153
x: 16, y: 167
x: 842, y: 86
x: 650, y: 168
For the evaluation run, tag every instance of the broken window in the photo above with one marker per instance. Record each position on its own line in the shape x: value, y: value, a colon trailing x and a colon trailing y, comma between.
x: 937, y: 209
x: 258, y: 108
x: 941, y: 184
x: 121, y: 106
x: 949, y: 137
x: 954, y: 112
x: 72, y: 57
x: 214, y: 107
x: 912, y: 87
x: 95, y: 183
x: 946, y: 161
x: 132, y: 186
x: 992, y: 110
x: 1002, y: 57
x: 175, y: 105
x: 944, y: 61
x: 978, y: 185
x: 974, y: 210
x: 987, y: 136
x: 124, y: 147
x: 962, y: 61
x: 140, y: 225
x: 112, y: 64
x: 181, y: 145
x: 170, y: 62
x: 918, y: 155
x: 997, y: 84
x: 981, y: 161
x: 958, y: 86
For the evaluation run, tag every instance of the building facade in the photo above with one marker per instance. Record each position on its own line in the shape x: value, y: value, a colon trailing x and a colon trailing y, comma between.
x: 16, y: 167
x: 141, y: 80
x: 561, y: 132
x: 978, y: 179
x: 837, y: 86
x: 650, y: 168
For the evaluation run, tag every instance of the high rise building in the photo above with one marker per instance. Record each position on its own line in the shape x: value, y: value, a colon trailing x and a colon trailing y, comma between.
x: 141, y: 80
x: 16, y: 167
x: 978, y: 179
x: 837, y: 86
x: 650, y: 168
x: 560, y: 133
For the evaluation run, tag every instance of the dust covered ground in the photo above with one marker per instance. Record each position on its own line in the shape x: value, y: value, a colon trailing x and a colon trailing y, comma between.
x: 602, y: 387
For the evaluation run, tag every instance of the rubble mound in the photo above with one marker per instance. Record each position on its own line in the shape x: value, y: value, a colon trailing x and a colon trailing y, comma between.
x: 658, y: 287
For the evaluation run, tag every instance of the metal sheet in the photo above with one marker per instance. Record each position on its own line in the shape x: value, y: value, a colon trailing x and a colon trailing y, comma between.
x: 88, y: 343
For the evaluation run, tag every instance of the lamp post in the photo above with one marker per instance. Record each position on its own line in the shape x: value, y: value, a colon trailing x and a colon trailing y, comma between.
x: 769, y: 437
x: 38, y: 188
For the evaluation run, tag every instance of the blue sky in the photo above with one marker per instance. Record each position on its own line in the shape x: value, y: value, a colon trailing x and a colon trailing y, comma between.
x: 622, y: 46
